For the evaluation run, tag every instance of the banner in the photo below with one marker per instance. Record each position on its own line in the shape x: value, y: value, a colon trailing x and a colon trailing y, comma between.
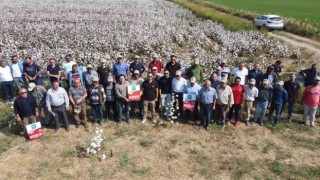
x: 189, y: 101
x: 34, y: 131
x: 134, y: 93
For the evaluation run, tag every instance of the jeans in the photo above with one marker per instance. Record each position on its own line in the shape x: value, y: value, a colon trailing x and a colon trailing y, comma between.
x: 205, y: 111
x: 7, y: 87
x: 277, y: 108
x: 123, y: 104
x: 261, y: 109
x: 165, y: 103
x: 60, y: 110
x: 236, y: 108
x: 133, y: 106
x: 221, y: 112
x: 309, y: 111
x: 109, y: 105
x: 97, y: 114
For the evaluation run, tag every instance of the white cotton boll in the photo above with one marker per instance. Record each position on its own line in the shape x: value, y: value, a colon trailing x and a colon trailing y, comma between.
x: 103, y: 157
x: 94, y: 152
x: 88, y: 150
x: 101, y: 130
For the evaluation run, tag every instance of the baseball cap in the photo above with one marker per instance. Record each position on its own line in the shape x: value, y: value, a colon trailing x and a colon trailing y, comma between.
x: 110, y: 79
x: 280, y: 83
x: 136, y: 71
x: 252, y: 81
x: 265, y: 81
x: 173, y: 55
x: 103, y: 61
x: 89, y: 66
x: 155, y: 55
x: 154, y: 68
x: 31, y: 86
x: 136, y: 57
x: 178, y: 73
x: 219, y: 68
x: 193, y: 80
x: 119, y: 57
x: 224, y: 80
x: 95, y: 78
x: 75, y: 65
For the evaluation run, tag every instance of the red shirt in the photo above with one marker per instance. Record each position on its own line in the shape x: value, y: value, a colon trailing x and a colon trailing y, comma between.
x: 312, y: 96
x: 237, y: 91
x: 157, y: 64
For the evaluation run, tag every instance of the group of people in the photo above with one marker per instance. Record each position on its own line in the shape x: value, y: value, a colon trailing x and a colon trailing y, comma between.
x: 162, y: 91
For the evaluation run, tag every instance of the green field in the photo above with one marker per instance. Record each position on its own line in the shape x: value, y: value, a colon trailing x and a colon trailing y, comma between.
x: 308, y: 10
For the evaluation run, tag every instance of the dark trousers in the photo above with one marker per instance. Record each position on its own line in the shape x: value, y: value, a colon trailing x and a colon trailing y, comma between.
x: 133, y: 106
x: 195, y: 113
x: 236, y: 109
x: 109, y: 105
x: 60, y: 111
x: 221, y: 113
x: 121, y: 104
x: 277, y: 108
x: 290, y: 108
x: 97, y: 114
x: 205, y: 111
x: 178, y: 97
x: 7, y: 86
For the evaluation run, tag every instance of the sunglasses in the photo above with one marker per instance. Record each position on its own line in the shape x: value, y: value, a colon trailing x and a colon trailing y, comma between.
x: 23, y: 93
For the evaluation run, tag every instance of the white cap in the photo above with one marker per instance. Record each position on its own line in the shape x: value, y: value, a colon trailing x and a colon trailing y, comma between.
x: 103, y: 60
x: 193, y: 80
x: 136, y: 72
x: 252, y: 81
x: 224, y: 79
x: 119, y: 57
x: 219, y: 68
x: 154, y: 55
x: 89, y: 66
x: 136, y: 57
x: 95, y: 78
x: 280, y: 83
x: 154, y: 68
x: 265, y: 81
x: 31, y: 86
x: 110, y: 79
x: 178, y: 73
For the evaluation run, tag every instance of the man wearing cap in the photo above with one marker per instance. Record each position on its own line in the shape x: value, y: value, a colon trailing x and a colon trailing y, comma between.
x: 173, y: 66
x: 238, y: 96
x: 136, y: 80
x: 256, y: 73
x: 103, y: 71
x: 75, y: 74
x: 251, y: 93
x: 310, y: 74
x: 136, y: 65
x: 193, y: 88
x: 88, y: 76
x: 38, y: 92
x: 155, y: 63
x: 241, y: 72
x: 224, y: 101
x: 97, y: 100
x: 207, y: 99
x: 53, y: 70
x: 109, y: 87
x: 196, y: 71
x: 263, y: 101
x: 32, y: 71
x: 178, y: 86
x: 25, y: 109
x: 311, y: 101
x: 279, y: 98
x: 16, y: 67
x: 57, y: 102
x: 292, y: 87
x: 77, y: 96
x: 6, y: 81
x: 119, y: 68
x: 271, y: 76
x: 149, y: 94
x: 121, y: 89
x: 165, y: 91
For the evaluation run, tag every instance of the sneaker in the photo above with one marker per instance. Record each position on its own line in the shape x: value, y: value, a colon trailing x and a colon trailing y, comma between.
x: 160, y: 122
x: 68, y: 129
x: 85, y: 126
x: 154, y: 121
x: 171, y: 122
x: 55, y: 130
x: 247, y: 123
x: 206, y: 128
x: 261, y: 124
x: 229, y: 122
x: 77, y: 126
x: 236, y: 124
x: 223, y: 126
x: 144, y: 121
x: 100, y: 123
x: 128, y: 121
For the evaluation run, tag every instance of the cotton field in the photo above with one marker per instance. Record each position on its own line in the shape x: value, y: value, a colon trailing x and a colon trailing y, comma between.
x: 94, y: 29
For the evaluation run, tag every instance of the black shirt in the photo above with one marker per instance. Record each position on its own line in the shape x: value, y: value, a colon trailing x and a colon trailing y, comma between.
x: 292, y: 89
x: 102, y: 73
x: 173, y: 68
x: 54, y: 71
x: 149, y: 90
x: 165, y: 84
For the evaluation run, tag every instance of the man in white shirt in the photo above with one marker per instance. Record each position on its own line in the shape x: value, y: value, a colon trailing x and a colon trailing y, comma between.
x: 251, y: 93
x: 241, y: 72
x: 178, y: 86
x: 6, y: 81
x: 67, y: 67
x: 16, y: 67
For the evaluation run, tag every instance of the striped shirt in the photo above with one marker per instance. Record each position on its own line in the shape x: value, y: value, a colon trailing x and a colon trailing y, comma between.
x: 94, y: 97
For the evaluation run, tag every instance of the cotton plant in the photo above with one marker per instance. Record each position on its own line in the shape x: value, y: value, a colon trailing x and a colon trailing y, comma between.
x: 95, y: 144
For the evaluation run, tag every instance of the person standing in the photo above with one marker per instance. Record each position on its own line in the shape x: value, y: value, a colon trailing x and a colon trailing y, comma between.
x: 149, y: 94
x: 67, y: 67
x: 25, y: 109
x: 121, y: 89
x: 109, y: 87
x: 224, y: 101
x: 88, y: 76
x: 310, y: 74
x: 57, y: 102
x: 97, y: 100
x: 38, y: 92
x: 165, y: 90
x: 271, y: 76
x: 178, y: 85
x: 16, y: 67
x: 156, y: 77
x: 279, y: 98
x: 136, y: 80
x: 251, y: 93
x: 257, y: 74
x: 53, y: 70
x: 75, y: 74
x: 277, y: 68
x: 120, y: 68
x: 156, y: 62
x: 241, y: 72
x: 6, y: 81
x: 225, y: 70
x: 173, y: 66
x: 214, y: 80
x: 207, y: 99
x: 292, y: 87
x: 263, y: 101
x: 311, y: 101
x: 196, y: 71
x: 136, y: 65
x: 193, y: 88
x: 103, y: 71
x: 238, y: 97
x: 31, y: 71
x: 77, y: 96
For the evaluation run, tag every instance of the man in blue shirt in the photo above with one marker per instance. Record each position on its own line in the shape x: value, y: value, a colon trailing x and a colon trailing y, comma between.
x: 88, y: 76
x: 279, y: 98
x: 74, y: 74
x: 207, y: 99
x: 120, y: 68
x: 256, y: 74
x: 136, y: 65
x: 193, y: 88
x: 31, y: 71
x: 309, y: 75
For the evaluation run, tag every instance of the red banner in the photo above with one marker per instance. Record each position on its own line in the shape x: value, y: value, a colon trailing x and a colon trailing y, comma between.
x: 134, y: 93
x: 34, y: 131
